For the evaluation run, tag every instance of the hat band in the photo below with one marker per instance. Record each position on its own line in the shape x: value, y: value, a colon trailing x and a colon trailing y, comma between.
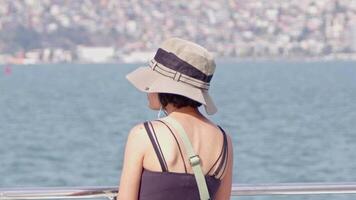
x: 170, y: 60
x: 177, y: 76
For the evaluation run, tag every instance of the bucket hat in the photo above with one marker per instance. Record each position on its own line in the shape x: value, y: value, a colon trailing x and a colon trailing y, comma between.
x: 178, y: 67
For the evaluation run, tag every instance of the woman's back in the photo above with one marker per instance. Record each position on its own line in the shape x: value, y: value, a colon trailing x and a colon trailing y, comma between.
x: 206, y: 138
x: 167, y: 173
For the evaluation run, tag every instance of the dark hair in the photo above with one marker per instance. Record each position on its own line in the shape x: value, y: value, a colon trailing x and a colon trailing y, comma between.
x: 177, y: 100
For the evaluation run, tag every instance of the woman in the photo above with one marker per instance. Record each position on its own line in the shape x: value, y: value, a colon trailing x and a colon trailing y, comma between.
x: 156, y: 164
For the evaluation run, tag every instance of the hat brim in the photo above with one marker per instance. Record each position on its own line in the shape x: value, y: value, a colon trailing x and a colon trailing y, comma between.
x: 147, y: 80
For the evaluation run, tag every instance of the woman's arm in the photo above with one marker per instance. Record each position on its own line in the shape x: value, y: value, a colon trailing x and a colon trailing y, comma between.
x: 133, y: 160
x: 224, y: 191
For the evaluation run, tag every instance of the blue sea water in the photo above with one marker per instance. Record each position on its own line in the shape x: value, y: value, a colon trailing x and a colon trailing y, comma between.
x: 66, y: 125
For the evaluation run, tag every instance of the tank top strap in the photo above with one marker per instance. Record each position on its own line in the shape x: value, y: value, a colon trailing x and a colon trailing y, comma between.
x: 223, y: 161
x: 175, y: 138
x: 152, y: 135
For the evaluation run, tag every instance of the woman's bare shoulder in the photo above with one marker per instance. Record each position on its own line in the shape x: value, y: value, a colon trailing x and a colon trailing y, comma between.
x: 138, y: 136
x: 138, y: 128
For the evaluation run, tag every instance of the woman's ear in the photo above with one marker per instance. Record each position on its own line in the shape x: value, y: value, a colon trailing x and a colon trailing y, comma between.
x: 153, y: 101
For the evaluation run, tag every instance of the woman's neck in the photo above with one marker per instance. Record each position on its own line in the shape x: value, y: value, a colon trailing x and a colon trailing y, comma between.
x: 170, y: 109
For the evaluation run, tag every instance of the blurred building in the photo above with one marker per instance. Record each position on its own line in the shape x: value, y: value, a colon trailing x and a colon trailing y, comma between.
x: 95, y: 54
x: 353, y: 40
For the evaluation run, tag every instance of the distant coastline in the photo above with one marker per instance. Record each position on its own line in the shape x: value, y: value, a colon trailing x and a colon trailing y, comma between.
x: 145, y: 56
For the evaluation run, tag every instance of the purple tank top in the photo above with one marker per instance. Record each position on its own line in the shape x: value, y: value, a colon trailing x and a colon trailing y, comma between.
x: 167, y: 185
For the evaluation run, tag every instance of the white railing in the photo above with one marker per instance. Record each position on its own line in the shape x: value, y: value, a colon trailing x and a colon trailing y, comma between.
x: 237, y: 190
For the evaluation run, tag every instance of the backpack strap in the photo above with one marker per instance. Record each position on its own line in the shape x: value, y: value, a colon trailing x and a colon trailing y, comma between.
x: 193, y: 159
